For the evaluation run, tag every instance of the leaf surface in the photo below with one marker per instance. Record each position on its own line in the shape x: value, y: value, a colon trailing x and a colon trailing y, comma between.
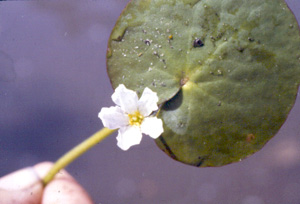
x: 226, y: 72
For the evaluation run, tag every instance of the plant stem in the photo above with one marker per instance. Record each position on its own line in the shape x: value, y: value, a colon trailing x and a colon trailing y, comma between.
x: 77, y: 151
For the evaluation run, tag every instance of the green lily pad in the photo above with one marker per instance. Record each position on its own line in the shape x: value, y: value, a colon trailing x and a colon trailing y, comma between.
x: 226, y: 72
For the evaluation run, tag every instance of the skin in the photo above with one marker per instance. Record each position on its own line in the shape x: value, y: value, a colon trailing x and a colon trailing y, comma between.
x: 25, y: 187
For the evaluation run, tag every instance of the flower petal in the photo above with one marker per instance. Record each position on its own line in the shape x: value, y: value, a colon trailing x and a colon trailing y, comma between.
x: 128, y: 136
x: 152, y: 126
x: 148, y: 102
x: 125, y: 98
x: 113, y: 117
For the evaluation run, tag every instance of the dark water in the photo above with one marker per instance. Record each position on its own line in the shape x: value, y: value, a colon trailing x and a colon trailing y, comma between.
x: 53, y: 83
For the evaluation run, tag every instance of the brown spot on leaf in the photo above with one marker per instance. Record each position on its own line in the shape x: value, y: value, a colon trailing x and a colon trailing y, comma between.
x: 184, y: 80
x: 250, y: 137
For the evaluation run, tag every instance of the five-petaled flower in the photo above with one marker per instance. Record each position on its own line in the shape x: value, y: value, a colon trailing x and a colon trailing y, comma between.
x: 132, y: 116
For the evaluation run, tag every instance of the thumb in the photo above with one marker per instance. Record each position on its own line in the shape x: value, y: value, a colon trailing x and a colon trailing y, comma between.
x: 21, y: 187
x: 63, y: 189
x: 25, y: 187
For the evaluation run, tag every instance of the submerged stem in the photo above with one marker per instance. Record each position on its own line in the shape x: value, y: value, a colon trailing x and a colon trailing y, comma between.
x: 77, y: 151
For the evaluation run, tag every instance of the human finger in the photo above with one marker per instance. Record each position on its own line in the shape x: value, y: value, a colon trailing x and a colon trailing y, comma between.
x: 63, y: 189
x: 21, y: 187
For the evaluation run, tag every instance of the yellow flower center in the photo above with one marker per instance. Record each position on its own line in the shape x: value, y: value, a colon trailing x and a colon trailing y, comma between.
x: 136, y: 118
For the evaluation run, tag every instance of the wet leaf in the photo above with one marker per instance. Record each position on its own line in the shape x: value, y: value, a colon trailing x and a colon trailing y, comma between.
x: 226, y: 72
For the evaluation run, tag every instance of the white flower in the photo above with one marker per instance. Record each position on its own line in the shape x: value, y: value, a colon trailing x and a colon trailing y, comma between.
x: 132, y: 116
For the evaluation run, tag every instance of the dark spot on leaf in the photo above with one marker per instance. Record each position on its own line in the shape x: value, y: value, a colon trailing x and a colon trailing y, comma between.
x: 201, y: 160
x: 240, y: 49
x: 198, y: 43
x: 147, y: 42
x: 212, y: 38
x: 180, y: 124
x: 251, y: 39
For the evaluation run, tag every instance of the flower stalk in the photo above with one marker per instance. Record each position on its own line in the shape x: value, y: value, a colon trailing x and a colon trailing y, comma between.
x: 132, y: 117
x: 77, y: 151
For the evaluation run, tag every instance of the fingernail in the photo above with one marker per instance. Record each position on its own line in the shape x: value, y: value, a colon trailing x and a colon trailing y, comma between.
x: 18, y: 180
